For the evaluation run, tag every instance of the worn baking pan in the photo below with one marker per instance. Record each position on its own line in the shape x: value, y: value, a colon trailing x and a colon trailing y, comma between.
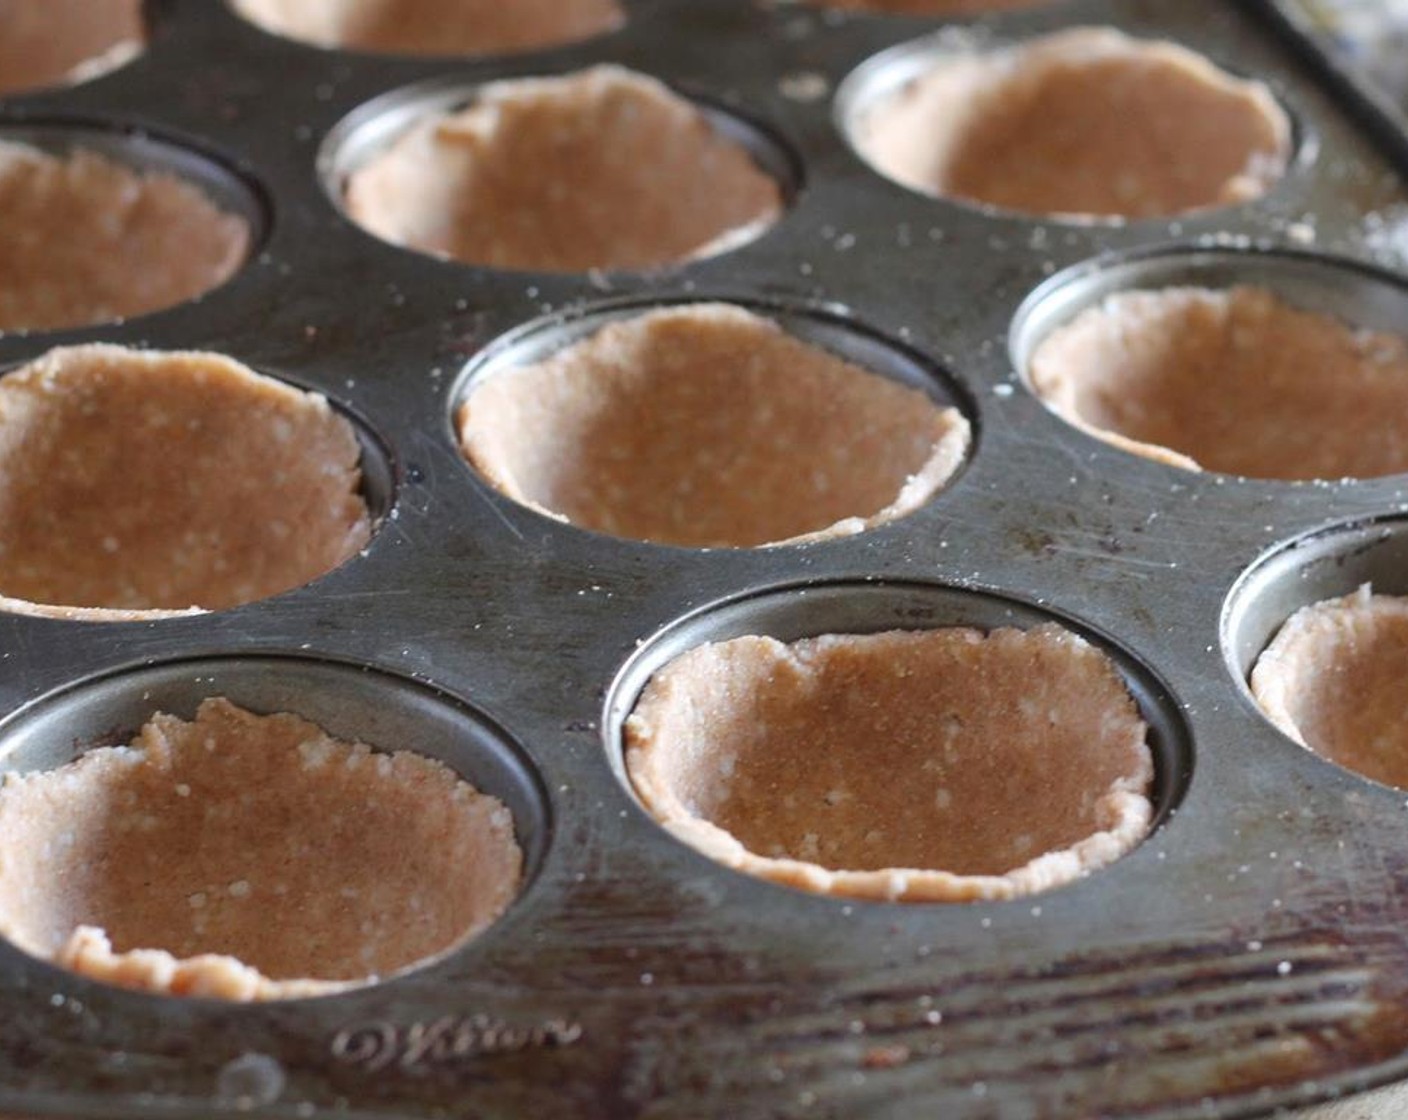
x: 1249, y: 955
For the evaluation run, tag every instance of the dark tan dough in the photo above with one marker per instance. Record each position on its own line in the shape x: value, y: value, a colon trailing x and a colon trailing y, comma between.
x: 134, y: 481
x: 1333, y: 680
x: 936, y: 765
x: 710, y: 426
x: 1235, y: 381
x: 1086, y: 123
x: 248, y: 857
x: 86, y: 240
x: 47, y: 43
x: 603, y: 169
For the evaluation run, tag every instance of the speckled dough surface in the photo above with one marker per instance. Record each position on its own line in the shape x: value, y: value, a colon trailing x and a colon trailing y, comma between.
x: 1333, y: 680
x: 86, y: 240
x: 1235, y: 381
x: 435, y: 27
x: 1083, y: 123
x: 56, y: 42
x: 602, y: 169
x: 137, y: 481
x: 939, y: 765
x: 248, y: 857
x: 708, y: 425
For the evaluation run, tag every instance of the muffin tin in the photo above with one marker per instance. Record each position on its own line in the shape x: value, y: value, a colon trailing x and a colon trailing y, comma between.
x: 1249, y: 955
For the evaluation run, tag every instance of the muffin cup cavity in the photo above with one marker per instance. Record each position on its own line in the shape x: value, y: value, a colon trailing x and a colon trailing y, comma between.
x: 709, y: 425
x: 434, y: 28
x: 155, y: 865
x: 945, y: 761
x: 134, y: 482
x: 1318, y: 631
x: 1084, y: 124
x: 98, y: 225
x: 604, y: 169
x: 1262, y: 365
x: 63, y: 42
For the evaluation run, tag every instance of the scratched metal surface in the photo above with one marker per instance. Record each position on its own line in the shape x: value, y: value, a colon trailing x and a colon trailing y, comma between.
x: 1252, y: 954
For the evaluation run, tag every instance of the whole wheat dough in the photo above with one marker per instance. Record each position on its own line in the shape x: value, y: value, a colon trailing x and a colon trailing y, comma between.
x: 55, y: 42
x: 86, y: 240
x: 247, y: 857
x: 435, y: 27
x: 1236, y: 381
x: 134, y: 480
x: 1333, y: 680
x: 602, y: 169
x: 1083, y: 123
x: 938, y: 765
x: 708, y: 426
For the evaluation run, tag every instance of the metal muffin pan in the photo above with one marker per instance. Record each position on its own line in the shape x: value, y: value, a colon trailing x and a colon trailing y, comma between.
x: 1249, y: 955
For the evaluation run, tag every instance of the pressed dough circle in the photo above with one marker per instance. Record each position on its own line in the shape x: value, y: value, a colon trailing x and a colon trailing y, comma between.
x: 86, y: 240
x: 435, y: 27
x: 709, y: 426
x: 57, y: 42
x: 136, y: 481
x: 1333, y: 680
x: 1234, y: 380
x: 936, y: 765
x: 602, y: 169
x: 1085, y: 123
x: 242, y: 857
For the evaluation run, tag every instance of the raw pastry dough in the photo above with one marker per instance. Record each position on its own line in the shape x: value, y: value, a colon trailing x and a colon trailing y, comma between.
x: 936, y: 765
x: 248, y: 857
x: 55, y: 42
x: 1235, y: 381
x: 709, y: 426
x: 1083, y: 123
x: 86, y: 240
x: 603, y: 169
x: 435, y: 27
x: 133, y: 481
x: 1333, y: 680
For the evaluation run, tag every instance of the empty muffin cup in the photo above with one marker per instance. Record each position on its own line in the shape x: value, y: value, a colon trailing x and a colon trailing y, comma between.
x: 87, y: 238
x: 1235, y: 380
x: 1083, y: 124
x: 1332, y: 679
x: 134, y: 481
x: 707, y: 425
x: 58, y: 42
x: 937, y: 765
x: 157, y: 866
x: 602, y: 169
x: 434, y: 27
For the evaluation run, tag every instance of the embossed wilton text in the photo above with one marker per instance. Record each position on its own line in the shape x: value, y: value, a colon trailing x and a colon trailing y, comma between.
x: 417, y: 1047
